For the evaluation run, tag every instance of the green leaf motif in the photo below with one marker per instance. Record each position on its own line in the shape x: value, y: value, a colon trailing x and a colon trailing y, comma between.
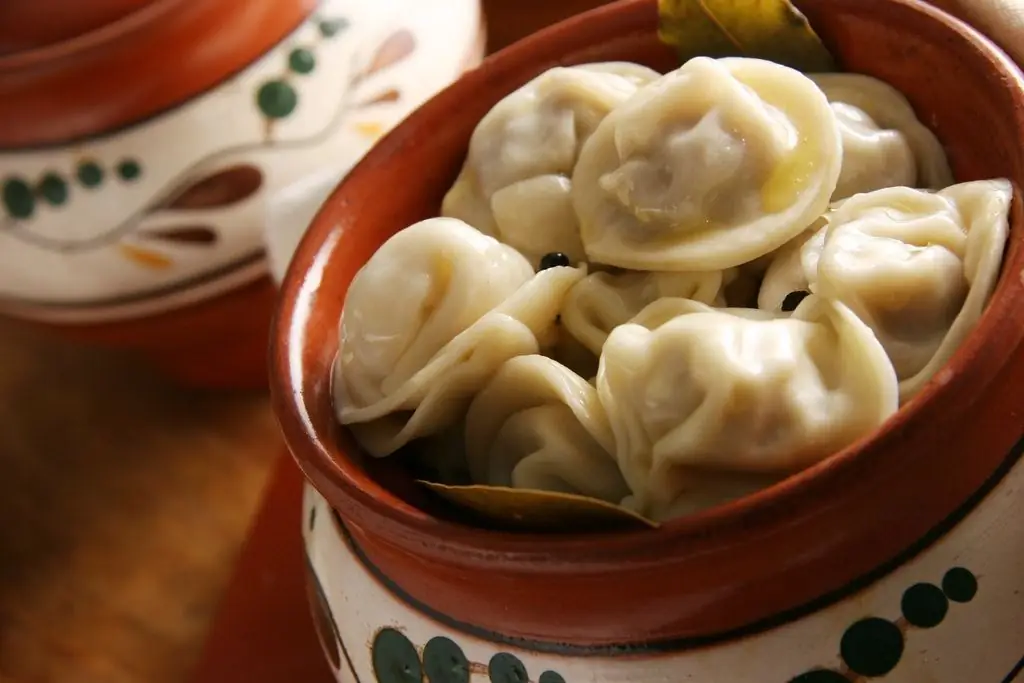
x: 766, y: 29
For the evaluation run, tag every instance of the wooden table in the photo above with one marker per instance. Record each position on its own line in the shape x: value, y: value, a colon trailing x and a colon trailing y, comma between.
x: 123, y: 504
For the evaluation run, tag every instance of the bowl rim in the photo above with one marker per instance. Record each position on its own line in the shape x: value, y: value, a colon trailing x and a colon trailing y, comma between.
x: 368, y: 504
x: 99, y: 36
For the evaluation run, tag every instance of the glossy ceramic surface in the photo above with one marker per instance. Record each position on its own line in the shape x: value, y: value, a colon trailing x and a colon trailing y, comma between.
x: 951, y: 614
x: 142, y: 199
x: 816, y: 547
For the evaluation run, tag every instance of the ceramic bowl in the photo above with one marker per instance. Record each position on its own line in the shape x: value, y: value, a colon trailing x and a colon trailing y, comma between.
x: 900, y: 556
x: 137, y: 190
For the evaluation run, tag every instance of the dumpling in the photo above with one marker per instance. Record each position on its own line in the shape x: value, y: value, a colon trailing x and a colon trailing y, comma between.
x: 538, y: 425
x: 450, y: 276
x: 711, y: 166
x: 515, y: 182
x: 873, y: 157
x: 600, y: 302
x: 667, y: 309
x: 709, y: 394
x: 787, y: 273
x: 884, y: 143
x: 917, y: 267
x: 408, y: 364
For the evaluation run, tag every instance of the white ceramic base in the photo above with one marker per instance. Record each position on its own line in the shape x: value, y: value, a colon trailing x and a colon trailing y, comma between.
x: 978, y: 640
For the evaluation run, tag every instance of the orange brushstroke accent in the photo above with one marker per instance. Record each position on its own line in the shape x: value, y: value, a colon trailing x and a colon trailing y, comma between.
x: 145, y: 257
x: 370, y: 129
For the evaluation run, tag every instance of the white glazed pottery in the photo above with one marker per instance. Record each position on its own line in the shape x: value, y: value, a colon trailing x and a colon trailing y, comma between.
x: 918, y: 623
x: 449, y: 38
x: 175, y: 209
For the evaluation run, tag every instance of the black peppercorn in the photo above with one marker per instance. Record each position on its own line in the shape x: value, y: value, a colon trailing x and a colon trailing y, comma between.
x: 554, y: 260
x: 793, y: 300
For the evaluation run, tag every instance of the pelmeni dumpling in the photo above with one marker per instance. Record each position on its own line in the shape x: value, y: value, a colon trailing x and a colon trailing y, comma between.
x: 708, y: 167
x: 538, y: 425
x: 600, y: 302
x: 760, y: 397
x: 788, y: 272
x: 917, y: 267
x: 450, y: 275
x: 884, y: 143
x: 515, y: 182
x: 408, y: 364
x: 667, y: 309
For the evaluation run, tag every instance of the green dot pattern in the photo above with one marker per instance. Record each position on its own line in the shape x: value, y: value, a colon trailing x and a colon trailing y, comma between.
x: 821, y: 676
x: 276, y: 99
x: 444, y: 662
x: 301, y: 61
x: 872, y: 646
x: 332, y: 27
x: 506, y: 668
x: 395, y: 659
x: 129, y: 169
x: 924, y: 605
x: 89, y: 174
x: 959, y: 585
x: 54, y: 189
x: 550, y: 677
x: 18, y: 199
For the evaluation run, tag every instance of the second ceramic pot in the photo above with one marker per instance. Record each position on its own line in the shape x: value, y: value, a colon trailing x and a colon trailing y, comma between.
x: 139, y: 161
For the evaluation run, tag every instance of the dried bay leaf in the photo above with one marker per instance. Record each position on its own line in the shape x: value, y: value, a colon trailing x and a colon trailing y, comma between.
x: 767, y: 29
x: 540, y: 511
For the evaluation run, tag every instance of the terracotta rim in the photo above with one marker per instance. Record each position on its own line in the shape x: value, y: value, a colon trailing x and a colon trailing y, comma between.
x: 93, y: 38
x: 366, y: 503
x: 93, y: 105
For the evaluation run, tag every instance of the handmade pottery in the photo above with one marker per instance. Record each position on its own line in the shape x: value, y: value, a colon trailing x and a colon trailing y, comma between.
x: 899, y: 557
x: 139, y: 161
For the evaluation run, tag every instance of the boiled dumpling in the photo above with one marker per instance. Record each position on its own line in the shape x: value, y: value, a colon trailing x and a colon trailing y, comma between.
x: 713, y: 393
x: 537, y: 425
x: 873, y: 157
x: 918, y: 267
x: 884, y: 143
x: 450, y: 275
x: 668, y: 308
x: 407, y: 364
x: 711, y: 166
x: 788, y: 271
x: 600, y: 302
x: 515, y: 182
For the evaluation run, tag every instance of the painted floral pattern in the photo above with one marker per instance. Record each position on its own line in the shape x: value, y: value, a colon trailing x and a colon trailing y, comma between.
x: 952, y: 613
x: 174, y: 209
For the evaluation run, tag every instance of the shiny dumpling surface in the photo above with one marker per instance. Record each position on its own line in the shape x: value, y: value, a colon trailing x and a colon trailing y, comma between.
x: 538, y: 425
x: 884, y: 143
x: 789, y: 267
x: 600, y: 302
x: 515, y: 183
x: 467, y: 304
x: 710, y: 394
x: 918, y: 267
x: 711, y: 166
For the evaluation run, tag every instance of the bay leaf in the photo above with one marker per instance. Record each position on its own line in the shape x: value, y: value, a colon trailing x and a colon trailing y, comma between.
x: 541, y: 511
x: 766, y: 29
